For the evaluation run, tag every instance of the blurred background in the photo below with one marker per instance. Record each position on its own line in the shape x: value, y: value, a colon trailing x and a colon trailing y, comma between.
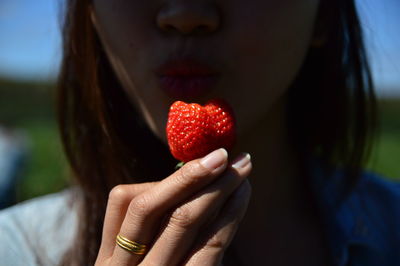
x: 31, y: 158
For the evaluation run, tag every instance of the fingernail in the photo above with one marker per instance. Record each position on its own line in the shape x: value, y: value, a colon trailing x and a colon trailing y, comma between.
x: 241, y: 161
x: 214, y: 159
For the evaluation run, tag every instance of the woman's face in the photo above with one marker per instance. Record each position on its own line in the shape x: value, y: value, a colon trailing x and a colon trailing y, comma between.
x: 258, y: 47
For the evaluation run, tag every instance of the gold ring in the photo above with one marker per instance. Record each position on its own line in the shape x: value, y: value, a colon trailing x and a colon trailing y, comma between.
x: 130, y: 245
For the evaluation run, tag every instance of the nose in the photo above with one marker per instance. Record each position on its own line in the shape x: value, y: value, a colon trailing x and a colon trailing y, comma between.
x: 188, y: 17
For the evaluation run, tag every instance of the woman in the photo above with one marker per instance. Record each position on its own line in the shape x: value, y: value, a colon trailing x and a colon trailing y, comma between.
x: 296, y: 75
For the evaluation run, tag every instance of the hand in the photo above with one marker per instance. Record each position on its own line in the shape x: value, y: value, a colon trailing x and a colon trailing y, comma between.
x: 188, y: 218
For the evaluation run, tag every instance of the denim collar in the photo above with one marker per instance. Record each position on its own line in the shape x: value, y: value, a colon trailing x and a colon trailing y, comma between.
x: 346, y: 222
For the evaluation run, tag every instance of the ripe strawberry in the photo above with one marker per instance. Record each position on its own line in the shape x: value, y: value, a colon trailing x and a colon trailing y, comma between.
x: 194, y: 131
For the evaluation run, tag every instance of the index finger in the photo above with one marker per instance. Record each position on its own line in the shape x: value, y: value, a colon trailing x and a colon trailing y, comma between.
x: 142, y: 220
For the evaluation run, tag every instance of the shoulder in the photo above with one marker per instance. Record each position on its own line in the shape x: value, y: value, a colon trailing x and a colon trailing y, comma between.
x: 376, y: 208
x: 31, y: 232
x: 379, y: 198
x: 380, y: 192
x: 47, y: 204
x: 362, y: 228
x: 379, y: 204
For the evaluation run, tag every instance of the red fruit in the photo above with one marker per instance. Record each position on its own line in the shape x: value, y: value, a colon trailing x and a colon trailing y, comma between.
x: 193, y: 131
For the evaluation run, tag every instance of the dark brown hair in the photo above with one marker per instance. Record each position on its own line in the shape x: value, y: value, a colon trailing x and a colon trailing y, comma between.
x: 331, y: 113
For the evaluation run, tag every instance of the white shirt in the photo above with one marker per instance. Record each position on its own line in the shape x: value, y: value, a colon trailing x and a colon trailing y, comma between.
x: 37, y: 231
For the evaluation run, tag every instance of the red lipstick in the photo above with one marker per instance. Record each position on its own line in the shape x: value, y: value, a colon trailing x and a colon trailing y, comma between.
x: 186, y: 77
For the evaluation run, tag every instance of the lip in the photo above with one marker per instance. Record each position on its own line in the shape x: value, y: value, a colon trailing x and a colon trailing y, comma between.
x: 187, y: 87
x: 186, y: 77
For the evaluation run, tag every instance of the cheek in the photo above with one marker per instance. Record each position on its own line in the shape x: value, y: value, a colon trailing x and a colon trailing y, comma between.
x: 124, y: 28
x: 273, y: 43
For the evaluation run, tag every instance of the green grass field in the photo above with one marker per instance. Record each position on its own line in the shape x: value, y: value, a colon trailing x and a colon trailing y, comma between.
x: 385, y: 157
x: 31, y: 110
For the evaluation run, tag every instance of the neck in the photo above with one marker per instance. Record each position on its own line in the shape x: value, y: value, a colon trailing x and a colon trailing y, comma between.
x: 281, y: 225
x: 277, y: 210
x: 275, y: 167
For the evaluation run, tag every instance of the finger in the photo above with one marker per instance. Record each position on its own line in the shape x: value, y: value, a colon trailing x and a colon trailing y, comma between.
x: 144, y: 213
x: 210, y: 249
x: 183, y: 225
x: 118, y: 201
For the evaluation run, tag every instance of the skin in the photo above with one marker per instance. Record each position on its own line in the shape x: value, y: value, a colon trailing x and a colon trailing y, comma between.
x: 259, y: 47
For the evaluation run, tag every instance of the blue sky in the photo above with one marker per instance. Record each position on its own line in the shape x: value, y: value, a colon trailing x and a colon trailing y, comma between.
x: 29, y: 40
